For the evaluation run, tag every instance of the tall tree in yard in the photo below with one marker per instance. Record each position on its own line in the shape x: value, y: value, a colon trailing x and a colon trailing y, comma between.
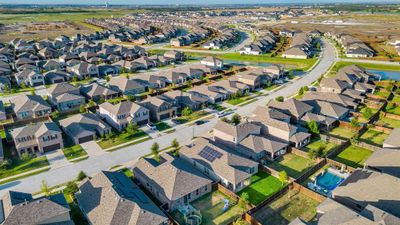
x: 283, y: 177
x: 154, y: 150
x: 175, y: 145
x: 132, y: 128
x: 45, y: 188
x: 236, y: 118
x: 313, y: 127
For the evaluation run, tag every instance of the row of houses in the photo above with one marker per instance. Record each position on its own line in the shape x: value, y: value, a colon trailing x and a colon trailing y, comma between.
x: 225, y: 38
x: 301, y: 46
x: 264, y: 44
x: 352, y: 46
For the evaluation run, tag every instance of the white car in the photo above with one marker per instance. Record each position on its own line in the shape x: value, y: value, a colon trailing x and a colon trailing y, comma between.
x: 151, y: 126
x: 221, y: 114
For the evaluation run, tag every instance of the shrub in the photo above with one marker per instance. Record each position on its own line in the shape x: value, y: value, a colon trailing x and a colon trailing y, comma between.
x: 25, y: 156
x: 81, y: 176
x: 71, y: 188
x: 280, y: 98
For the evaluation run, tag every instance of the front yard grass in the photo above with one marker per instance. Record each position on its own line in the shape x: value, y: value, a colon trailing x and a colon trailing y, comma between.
x: 373, y: 137
x: 353, y: 156
x: 316, y: 144
x: 211, y: 208
x: 161, y: 126
x: 194, y: 116
x: 294, y: 165
x: 19, y: 166
x: 262, y: 186
x: 237, y: 101
x: 287, y: 208
x: 120, y: 138
x: 387, y: 122
x: 343, y: 132
x: 74, y: 152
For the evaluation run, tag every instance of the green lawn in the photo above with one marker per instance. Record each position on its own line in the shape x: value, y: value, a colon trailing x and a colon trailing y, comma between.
x: 343, y: 132
x: 162, y: 126
x: 294, y: 165
x: 73, y: 152
x: 393, y: 108
x: 121, y: 138
x: 19, y: 166
x: 353, y: 156
x: 194, y: 116
x: 237, y: 101
x: 217, y: 107
x: 315, y: 144
x: 373, y: 137
x: 386, y: 122
x: 211, y: 208
x: 287, y: 208
x: 262, y: 186
x: 382, y: 93
x: 396, y: 99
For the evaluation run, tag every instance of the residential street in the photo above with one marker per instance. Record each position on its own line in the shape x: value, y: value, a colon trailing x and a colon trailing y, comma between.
x: 183, y: 134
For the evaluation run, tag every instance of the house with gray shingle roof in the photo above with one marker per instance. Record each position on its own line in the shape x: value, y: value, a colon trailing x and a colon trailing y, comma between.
x: 37, y: 138
x: 220, y: 164
x: 30, y: 106
x: 293, y: 107
x: 112, y: 198
x: 230, y: 133
x: 65, y: 96
x: 84, y: 127
x: 30, y: 78
x: 259, y: 147
x: 126, y: 86
x: 172, y: 181
x: 120, y: 115
x: 96, y: 92
x: 85, y: 70
x: 393, y: 140
x: 160, y: 109
x: 333, y: 85
x: 21, y: 208
x: 386, y: 161
x: 182, y: 100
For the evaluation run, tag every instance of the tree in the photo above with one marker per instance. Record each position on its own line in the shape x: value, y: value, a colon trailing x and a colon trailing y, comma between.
x: 226, y: 120
x: 131, y: 98
x: 154, y: 150
x: 301, y: 91
x: 75, y: 78
x: 45, y: 188
x: 82, y: 109
x: 280, y: 98
x: 236, y: 118
x: 186, y: 111
x: 25, y: 156
x: 71, y: 188
x: 283, y: 177
x: 313, y: 127
x: 305, y: 88
x: 243, y: 201
x: 367, y: 113
x: 108, y: 78
x: 91, y: 103
x: 55, y: 114
x: 81, y: 176
x: 132, y: 128
x: 101, y: 100
x: 354, y: 122
x: 127, y: 76
x: 23, y: 85
x: 33, y: 92
x: 175, y: 144
x: 314, y: 153
x: 318, y: 45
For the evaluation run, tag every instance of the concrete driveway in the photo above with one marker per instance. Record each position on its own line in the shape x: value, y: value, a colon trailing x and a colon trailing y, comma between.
x: 93, y: 149
x: 56, y: 159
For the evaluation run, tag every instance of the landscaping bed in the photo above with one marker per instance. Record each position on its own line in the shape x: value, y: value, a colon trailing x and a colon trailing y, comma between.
x: 294, y: 165
x: 353, y: 156
x: 287, y: 208
x: 263, y: 185
x: 211, y: 208
x: 120, y: 138
x: 74, y: 152
x: 373, y: 137
x: 343, y: 132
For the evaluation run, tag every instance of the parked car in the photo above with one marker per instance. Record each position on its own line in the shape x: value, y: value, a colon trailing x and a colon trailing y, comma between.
x: 200, y: 122
x: 221, y: 114
x: 151, y: 126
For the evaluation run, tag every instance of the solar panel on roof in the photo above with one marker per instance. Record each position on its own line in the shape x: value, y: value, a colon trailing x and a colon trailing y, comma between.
x: 209, y: 154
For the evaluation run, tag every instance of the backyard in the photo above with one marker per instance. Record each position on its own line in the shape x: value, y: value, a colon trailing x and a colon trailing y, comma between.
x: 387, y: 122
x: 262, y: 186
x: 373, y: 137
x: 353, y: 156
x: 121, y: 138
x: 393, y: 107
x: 211, y: 208
x: 343, y: 132
x: 316, y: 144
x: 294, y: 165
x: 287, y: 208
x: 74, y: 152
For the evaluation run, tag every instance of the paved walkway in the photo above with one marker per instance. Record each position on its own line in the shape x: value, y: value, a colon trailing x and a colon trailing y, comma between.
x: 56, y: 159
x: 183, y: 134
x: 92, y: 149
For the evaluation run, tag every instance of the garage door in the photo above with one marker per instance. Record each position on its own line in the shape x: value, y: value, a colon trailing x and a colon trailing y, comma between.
x: 37, y: 84
x: 164, y: 116
x: 51, y: 147
x: 143, y: 122
x: 85, y: 139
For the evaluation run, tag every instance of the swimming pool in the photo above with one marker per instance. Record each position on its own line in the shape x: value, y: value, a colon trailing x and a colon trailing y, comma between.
x: 327, y: 181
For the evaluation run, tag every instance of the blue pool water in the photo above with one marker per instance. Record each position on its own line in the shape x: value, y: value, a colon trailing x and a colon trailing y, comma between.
x: 328, y: 181
x: 387, y: 74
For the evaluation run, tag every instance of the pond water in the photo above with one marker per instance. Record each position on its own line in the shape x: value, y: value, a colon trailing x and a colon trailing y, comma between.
x: 387, y: 74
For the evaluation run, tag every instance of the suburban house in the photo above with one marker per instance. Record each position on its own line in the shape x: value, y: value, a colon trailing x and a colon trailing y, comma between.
x: 219, y: 164
x: 159, y: 108
x: 84, y: 127
x: 333, y: 85
x: 123, y: 113
x: 393, y: 140
x: 65, y: 96
x: 340, y: 99
x: 229, y: 134
x: 85, y: 70
x: 112, y: 198
x: 37, y: 138
x: 175, y: 55
x: 184, y: 100
x: 22, y: 208
x: 386, y: 161
x: 126, y: 86
x: 206, y: 92
x: 30, y: 78
x: 97, y: 92
x: 30, y: 106
x: 5, y: 84
x: 292, y: 107
x: 213, y: 62
x: 56, y: 76
x: 172, y: 181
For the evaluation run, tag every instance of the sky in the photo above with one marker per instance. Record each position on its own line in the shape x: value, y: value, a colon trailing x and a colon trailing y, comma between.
x: 165, y: 2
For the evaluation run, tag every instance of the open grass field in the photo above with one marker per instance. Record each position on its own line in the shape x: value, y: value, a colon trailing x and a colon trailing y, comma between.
x: 287, y: 208
x: 211, y: 208
x: 262, y: 186
x: 294, y: 165
x: 373, y: 137
x: 353, y: 156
